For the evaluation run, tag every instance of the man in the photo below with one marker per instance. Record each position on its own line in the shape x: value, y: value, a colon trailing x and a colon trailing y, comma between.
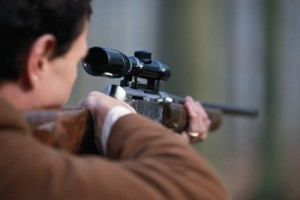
x: 42, y: 42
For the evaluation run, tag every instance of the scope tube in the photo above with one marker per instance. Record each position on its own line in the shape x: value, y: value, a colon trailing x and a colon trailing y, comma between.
x: 114, y: 64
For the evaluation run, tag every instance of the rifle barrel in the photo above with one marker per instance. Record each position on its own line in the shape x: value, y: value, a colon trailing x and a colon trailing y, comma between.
x: 226, y: 109
x: 232, y: 110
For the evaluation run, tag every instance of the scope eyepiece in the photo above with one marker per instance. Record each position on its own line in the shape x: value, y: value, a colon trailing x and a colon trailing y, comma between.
x: 114, y: 64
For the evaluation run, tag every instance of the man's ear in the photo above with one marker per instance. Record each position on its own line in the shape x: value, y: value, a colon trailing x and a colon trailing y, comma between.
x: 37, y: 60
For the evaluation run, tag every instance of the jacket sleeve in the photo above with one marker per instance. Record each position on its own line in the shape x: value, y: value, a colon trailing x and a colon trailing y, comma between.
x: 145, y: 161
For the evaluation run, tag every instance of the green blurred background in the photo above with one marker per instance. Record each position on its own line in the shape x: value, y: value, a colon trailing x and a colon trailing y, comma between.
x: 238, y: 52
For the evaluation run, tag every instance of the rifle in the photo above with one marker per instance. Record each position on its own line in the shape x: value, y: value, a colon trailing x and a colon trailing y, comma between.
x: 140, y: 88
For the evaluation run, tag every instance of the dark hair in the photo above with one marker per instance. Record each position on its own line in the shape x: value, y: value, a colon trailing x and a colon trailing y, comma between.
x: 23, y: 21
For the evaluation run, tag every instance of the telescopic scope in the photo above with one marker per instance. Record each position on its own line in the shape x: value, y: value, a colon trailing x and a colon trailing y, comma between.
x: 114, y: 64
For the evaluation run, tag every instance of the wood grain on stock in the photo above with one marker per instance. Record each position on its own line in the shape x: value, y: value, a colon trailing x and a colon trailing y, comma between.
x: 175, y: 117
x: 64, y: 129
x: 72, y: 129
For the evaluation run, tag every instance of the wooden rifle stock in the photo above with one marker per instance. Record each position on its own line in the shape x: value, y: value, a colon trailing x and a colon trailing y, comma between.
x: 72, y: 129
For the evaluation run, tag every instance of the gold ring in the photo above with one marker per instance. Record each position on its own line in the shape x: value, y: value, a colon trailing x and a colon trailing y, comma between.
x: 194, y: 134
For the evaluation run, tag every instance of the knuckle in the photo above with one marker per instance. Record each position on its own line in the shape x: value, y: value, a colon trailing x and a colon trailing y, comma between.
x: 92, y: 93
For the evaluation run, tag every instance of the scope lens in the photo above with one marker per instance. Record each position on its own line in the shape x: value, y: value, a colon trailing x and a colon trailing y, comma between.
x: 95, y: 61
x: 106, y: 62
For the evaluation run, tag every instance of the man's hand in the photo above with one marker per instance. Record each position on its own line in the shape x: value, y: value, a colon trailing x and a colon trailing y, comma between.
x: 102, y: 103
x: 199, y: 122
x: 99, y: 105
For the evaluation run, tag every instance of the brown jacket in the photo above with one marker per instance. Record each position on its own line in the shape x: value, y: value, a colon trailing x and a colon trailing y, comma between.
x: 144, y: 162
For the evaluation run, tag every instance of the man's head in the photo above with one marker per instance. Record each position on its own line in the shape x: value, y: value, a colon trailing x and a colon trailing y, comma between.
x: 40, y: 36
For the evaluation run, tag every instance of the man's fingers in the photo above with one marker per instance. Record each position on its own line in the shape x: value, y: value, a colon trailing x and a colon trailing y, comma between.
x: 199, y: 122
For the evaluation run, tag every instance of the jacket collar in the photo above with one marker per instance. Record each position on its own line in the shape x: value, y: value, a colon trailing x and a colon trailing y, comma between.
x: 10, y: 118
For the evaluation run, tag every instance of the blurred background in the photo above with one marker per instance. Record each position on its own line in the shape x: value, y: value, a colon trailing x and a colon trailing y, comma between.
x: 238, y: 52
